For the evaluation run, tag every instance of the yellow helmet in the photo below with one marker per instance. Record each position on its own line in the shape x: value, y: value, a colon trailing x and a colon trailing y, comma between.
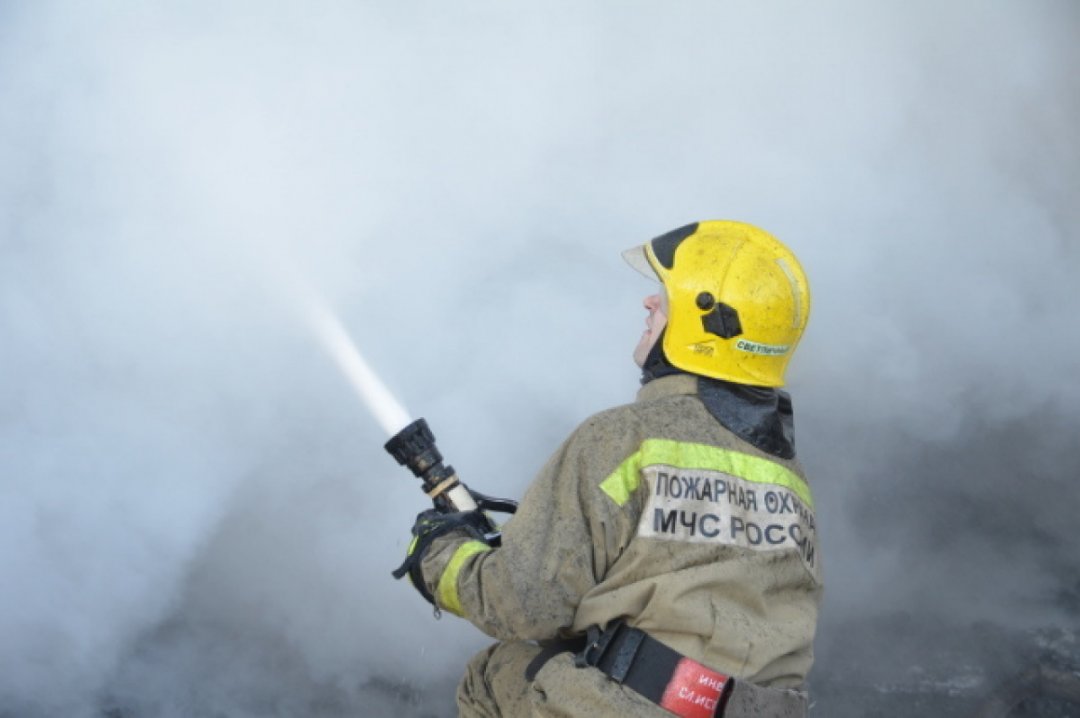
x: 737, y: 298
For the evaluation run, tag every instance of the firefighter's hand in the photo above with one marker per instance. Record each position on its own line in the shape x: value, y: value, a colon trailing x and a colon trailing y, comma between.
x: 430, y: 525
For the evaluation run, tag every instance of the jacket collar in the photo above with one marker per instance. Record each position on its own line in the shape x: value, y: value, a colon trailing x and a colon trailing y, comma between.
x: 758, y: 415
x: 669, y: 385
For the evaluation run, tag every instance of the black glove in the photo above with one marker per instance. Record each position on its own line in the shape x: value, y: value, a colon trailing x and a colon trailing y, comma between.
x: 432, y: 524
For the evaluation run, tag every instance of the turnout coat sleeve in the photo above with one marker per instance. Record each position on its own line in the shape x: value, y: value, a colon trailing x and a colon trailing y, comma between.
x: 558, y: 546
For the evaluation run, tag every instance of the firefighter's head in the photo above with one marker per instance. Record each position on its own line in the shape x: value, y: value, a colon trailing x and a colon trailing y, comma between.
x: 655, y: 321
x: 733, y: 302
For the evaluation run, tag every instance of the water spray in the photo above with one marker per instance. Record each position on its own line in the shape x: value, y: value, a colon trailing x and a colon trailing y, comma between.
x: 411, y: 443
x: 388, y: 411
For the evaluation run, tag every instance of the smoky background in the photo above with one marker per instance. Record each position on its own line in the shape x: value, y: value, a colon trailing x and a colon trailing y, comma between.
x: 196, y: 514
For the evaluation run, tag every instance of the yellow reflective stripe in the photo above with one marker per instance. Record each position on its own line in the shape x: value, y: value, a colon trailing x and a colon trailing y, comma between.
x: 682, y: 455
x: 623, y: 481
x: 446, y: 595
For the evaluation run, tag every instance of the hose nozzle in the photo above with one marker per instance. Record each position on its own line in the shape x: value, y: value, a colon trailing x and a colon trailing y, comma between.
x: 414, y: 447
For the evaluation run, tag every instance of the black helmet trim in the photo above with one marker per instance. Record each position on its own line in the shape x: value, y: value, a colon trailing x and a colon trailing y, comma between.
x: 723, y: 321
x: 664, y: 246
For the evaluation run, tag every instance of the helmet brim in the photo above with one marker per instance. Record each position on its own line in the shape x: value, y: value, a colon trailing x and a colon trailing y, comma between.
x: 637, y: 258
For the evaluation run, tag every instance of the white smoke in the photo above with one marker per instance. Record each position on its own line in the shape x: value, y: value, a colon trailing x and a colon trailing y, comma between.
x: 196, y: 515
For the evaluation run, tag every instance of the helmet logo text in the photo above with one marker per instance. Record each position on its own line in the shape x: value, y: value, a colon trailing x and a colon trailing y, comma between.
x: 763, y: 349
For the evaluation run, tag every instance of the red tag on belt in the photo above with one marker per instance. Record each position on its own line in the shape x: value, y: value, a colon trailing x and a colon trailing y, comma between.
x: 694, y: 691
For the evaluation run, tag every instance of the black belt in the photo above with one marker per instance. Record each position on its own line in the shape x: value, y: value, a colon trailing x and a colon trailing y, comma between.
x: 549, y: 650
x: 631, y: 657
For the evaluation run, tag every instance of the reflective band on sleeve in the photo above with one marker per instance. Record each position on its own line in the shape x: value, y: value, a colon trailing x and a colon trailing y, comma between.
x: 682, y: 455
x: 446, y: 594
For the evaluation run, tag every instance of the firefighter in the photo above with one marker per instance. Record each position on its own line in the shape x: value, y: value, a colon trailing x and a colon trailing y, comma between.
x: 665, y: 560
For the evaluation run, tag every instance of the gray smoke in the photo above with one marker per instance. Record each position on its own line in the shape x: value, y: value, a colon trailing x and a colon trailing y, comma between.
x: 197, y: 517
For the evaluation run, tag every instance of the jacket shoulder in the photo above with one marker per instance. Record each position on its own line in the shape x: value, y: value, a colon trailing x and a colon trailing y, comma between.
x: 619, y: 425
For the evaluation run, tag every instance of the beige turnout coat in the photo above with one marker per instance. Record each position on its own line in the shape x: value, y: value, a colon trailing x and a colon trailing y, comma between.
x: 655, y: 513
